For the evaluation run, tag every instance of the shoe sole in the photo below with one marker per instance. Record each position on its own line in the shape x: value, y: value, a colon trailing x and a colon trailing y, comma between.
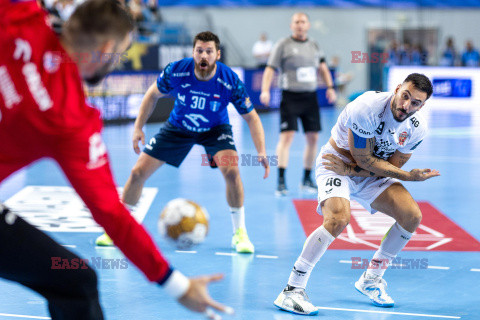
x: 373, y: 301
x: 281, y: 193
x: 314, y: 313
x: 308, y: 189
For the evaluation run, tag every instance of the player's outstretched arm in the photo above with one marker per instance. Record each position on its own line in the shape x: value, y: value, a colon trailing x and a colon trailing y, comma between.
x: 146, y: 108
x: 197, y: 298
x: 266, y: 83
x: 258, y: 136
x: 362, y: 151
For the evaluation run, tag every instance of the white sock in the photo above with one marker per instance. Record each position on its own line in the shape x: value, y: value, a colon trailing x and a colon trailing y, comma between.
x: 314, y: 248
x: 393, y: 242
x: 238, y: 218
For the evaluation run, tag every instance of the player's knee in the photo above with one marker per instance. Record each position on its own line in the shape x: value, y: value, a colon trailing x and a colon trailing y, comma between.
x: 413, y: 218
x: 84, y: 283
x: 138, y: 174
x: 286, y: 139
x: 312, y: 139
x: 231, y: 173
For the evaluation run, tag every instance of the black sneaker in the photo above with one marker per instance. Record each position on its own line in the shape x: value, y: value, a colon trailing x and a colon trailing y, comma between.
x: 281, y: 190
x: 308, y: 186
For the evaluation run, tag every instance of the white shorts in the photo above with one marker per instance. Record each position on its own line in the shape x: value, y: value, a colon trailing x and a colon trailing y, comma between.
x: 363, y: 189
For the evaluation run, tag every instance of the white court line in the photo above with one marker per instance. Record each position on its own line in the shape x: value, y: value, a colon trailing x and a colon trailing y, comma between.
x: 69, y: 245
x: 391, y: 312
x: 21, y: 316
x: 225, y: 254
x: 185, y: 251
x: 266, y: 257
x: 475, y: 270
x: 439, y: 268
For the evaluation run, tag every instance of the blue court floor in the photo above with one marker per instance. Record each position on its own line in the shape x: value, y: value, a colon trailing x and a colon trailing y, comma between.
x: 447, y: 289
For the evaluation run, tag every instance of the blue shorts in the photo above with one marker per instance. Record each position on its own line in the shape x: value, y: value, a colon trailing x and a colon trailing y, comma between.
x: 172, y: 144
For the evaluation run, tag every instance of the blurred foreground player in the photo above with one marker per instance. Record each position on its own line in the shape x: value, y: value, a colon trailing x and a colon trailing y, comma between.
x: 43, y: 113
x: 375, y: 135
x: 203, y: 88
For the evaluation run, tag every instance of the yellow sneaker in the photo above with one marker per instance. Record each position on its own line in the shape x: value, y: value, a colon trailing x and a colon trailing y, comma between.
x: 241, y: 243
x: 104, y: 241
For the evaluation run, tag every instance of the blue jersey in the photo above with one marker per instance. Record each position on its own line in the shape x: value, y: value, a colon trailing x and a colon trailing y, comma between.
x: 202, y: 105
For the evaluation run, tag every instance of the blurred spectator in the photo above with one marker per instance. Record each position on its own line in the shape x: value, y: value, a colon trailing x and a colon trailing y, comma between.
x: 393, y: 54
x: 449, y: 55
x: 406, y: 54
x: 341, y: 80
x: 261, y: 50
x: 470, y: 57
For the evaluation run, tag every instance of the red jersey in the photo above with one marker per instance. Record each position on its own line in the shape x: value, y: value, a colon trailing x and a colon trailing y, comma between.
x: 43, y: 113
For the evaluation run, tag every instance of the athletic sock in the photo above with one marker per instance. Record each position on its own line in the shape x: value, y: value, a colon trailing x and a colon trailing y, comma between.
x: 238, y: 218
x: 306, y: 175
x: 314, y: 248
x: 281, y: 175
x: 392, y: 243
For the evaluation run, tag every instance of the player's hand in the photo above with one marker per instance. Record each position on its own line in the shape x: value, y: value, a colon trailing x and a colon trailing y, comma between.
x: 265, y: 98
x: 336, y: 164
x: 138, y: 135
x: 331, y: 95
x: 423, y: 174
x: 197, y: 298
x: 264, y: 161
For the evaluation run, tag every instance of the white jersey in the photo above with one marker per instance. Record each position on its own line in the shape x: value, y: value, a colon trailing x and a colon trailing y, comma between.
x: 370, y: 116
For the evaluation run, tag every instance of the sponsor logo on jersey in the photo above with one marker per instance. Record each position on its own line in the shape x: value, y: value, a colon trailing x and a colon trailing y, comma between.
x: 97, y: 152
x: 215, y: 105
x: 360, y: 130
x: 36, y: 87
x: 226, y: 85
x: 391, y: 131
x: 402, y: 138
x: 7, y: 89
x: 186, y: 85
x: 181, y: 74
x: 195, y: 117
x: 181, y: 99
x: 216, y: 96
x: 51, y: 61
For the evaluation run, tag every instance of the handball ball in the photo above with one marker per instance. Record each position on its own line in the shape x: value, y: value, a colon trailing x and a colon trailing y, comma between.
x: 184, y: 222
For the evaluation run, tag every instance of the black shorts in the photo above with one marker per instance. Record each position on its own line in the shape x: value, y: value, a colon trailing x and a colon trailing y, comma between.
x: 303, y: 105
x: 172, y: 144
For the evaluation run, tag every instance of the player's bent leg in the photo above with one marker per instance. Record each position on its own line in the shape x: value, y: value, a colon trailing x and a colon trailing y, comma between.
x: 336, y: 215
x: 307, y: 184
x: 227, y: 162
x: 32, y: 258
x: 283, y: 152
x: 146, y: 165
x: 293, y: 298
x: 396, y: 202
x: 143, y: 169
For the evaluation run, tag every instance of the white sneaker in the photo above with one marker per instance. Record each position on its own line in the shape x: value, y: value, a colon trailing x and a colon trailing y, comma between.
x: 295, y: 300
x: 374, y: 288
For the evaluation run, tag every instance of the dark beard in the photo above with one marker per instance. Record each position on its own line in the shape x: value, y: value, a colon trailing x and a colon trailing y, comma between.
x: 394, y: 108
x: 204, y: 73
